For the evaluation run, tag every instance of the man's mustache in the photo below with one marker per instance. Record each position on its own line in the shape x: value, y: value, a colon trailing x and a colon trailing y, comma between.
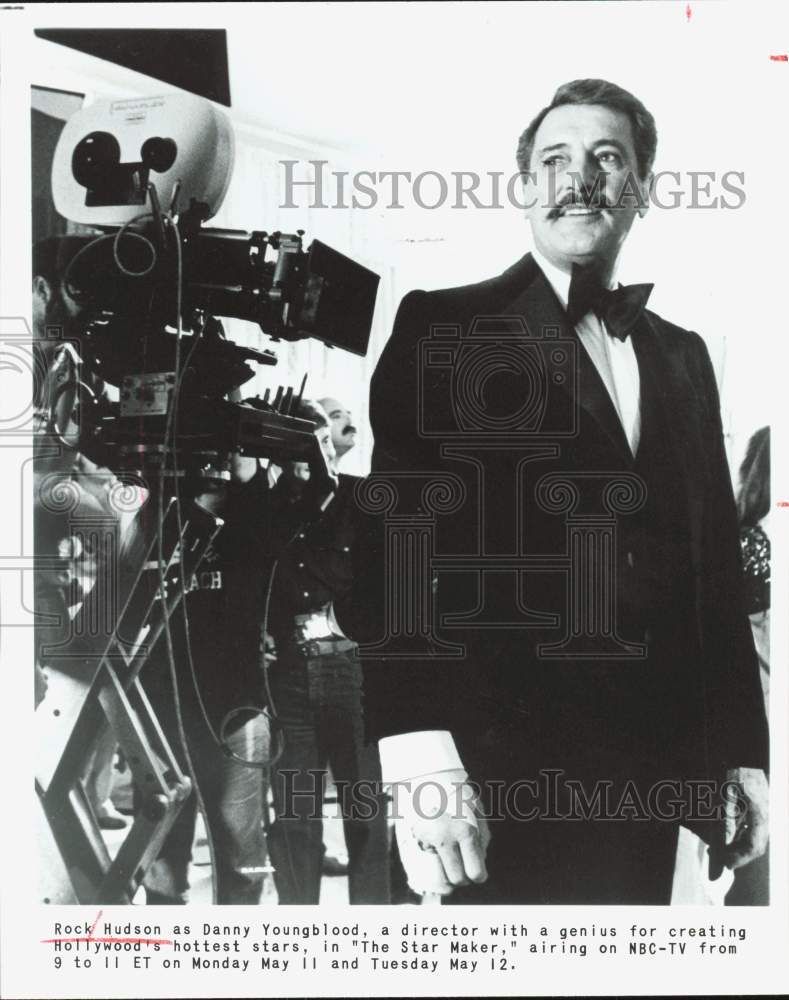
x: 349, y: 429
x: 596, y: 199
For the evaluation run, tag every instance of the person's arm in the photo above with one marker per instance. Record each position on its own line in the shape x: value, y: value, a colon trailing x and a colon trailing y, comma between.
x: 740, y: 724
x: 400, y: 694
x: 410, y: 704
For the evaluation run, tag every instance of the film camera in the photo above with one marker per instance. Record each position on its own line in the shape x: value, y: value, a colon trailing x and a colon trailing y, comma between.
x: 147, y: 174
x: 149, y: 284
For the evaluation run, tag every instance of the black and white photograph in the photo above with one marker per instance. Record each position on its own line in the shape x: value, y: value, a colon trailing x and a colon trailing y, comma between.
x: 395, y: 498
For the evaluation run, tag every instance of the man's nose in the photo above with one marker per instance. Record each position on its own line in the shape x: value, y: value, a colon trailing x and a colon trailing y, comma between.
x: 588, y: 180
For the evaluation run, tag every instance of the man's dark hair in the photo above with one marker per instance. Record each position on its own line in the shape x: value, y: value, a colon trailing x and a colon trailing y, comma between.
x: 607, y: 95
x: 52, y: 256
x: 308, y: 410
x: 753, y: 500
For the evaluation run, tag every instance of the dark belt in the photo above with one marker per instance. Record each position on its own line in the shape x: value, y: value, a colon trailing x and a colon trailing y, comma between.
x: 322, y: 647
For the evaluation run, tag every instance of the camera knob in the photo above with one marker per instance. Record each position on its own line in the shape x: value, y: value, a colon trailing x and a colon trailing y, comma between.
x: 92, y: 156
x: 158, y: 154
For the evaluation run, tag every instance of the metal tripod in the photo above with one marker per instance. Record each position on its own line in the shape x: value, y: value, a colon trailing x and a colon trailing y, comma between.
x: 84, y: 698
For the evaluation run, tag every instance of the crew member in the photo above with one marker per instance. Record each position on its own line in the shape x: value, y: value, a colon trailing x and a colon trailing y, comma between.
x: 303, y: 561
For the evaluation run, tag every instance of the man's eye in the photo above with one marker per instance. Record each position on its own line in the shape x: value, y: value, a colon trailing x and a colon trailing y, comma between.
x: 552, y: 161
x: 609, y: 157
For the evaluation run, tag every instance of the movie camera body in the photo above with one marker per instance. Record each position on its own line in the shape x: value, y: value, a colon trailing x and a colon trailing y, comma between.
x: 150, y: 283
x: 147, y: 174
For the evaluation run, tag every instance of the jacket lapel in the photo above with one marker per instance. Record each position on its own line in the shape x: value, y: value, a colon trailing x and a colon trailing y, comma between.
x: 543, y: 314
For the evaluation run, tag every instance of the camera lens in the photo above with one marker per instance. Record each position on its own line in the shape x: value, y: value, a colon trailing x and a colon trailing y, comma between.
x: 92, y: 156
x: 158, y: 154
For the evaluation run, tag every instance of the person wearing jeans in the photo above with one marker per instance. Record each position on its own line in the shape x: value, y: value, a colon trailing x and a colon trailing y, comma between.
x: 299, y: 555
x: 316, y: 688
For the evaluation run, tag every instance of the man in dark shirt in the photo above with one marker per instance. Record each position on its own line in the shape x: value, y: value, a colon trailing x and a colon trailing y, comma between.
x: 217, y: 677
x: 302, y: 561
x: 343, y: 432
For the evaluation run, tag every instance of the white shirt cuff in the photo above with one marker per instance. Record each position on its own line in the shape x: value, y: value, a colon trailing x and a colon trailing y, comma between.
x: 411, y: 755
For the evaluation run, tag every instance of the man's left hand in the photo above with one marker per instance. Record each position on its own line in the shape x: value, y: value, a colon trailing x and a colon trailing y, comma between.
x: 746, y: 819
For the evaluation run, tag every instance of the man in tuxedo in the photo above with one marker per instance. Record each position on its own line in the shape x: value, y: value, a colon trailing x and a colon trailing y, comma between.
x: 589, y: 670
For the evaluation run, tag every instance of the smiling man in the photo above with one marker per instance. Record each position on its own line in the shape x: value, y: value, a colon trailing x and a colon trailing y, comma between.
x: 587, y: 181
x: 595, y: 588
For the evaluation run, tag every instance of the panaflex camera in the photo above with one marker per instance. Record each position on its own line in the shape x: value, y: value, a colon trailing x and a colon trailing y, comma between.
x: 497, y: 378
x: 152, y: 281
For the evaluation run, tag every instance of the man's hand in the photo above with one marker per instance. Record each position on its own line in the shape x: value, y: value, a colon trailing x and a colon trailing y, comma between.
x: 269, y: 650
x: 745, y: 823
x: 41, y: 685
x: 459, y: 847
x: 442, y: 837
x: 242, y: 467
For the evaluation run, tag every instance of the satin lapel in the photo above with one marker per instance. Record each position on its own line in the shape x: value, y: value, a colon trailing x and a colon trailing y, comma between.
x: 540, y: 309
x: 676, y: 397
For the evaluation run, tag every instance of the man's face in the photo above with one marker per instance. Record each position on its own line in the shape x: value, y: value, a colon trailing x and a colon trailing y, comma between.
x: 56, y: 316
x: 301, y: 470
x: 324, y: 436
x: 584, y: 189
x: 343, y: 432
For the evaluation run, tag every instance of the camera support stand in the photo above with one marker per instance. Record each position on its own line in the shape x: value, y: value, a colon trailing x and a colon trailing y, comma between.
x: 75, y: 713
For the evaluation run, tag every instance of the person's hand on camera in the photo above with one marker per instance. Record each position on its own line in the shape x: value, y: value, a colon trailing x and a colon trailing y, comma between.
x: 269, y: 650
x: 323, y: 479
x: 243, y: 468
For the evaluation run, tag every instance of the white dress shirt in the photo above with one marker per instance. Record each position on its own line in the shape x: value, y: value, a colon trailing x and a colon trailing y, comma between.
x: 411, y: 755
x: 614, y: 359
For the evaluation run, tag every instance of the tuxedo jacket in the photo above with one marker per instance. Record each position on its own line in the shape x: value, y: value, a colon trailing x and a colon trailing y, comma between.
x: 490, y: 381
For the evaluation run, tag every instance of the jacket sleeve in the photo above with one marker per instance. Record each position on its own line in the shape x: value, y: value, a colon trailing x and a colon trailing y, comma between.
x: 737, y: 723
x: 400, y: 694
x: 395, y: 405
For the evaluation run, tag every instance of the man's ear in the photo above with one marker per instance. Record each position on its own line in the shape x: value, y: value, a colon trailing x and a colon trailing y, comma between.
x: 42, y: 290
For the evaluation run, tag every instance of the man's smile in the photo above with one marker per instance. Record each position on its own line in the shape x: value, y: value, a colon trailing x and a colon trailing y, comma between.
x: 579, y: 211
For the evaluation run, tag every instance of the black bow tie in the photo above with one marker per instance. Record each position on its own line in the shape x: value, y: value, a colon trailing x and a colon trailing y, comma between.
x: 618, y: 308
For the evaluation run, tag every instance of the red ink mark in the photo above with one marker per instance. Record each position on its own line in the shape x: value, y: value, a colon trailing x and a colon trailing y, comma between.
x: 782, y: 503
x: 781, y: 58
x: 113, y: 940
x: 93, y: 925
x: 688, y: 12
